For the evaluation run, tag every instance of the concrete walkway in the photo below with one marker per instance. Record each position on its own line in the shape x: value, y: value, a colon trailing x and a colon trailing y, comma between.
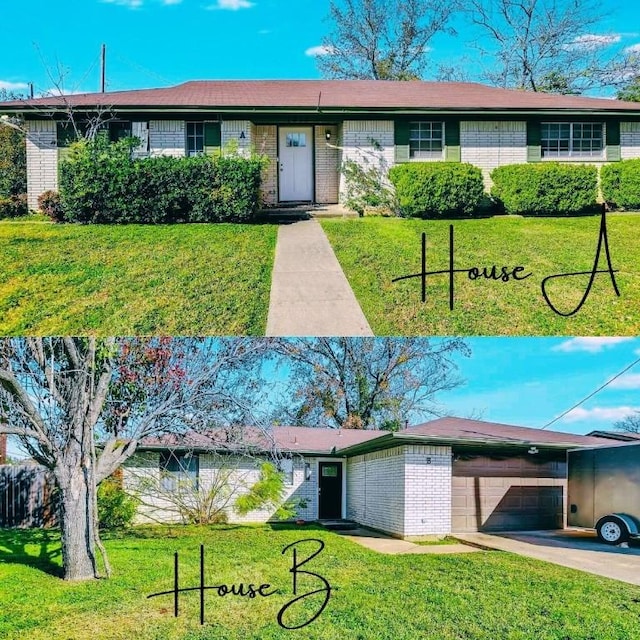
x: 310, y: 295
x: 386, y: 544
x: 566, y: 549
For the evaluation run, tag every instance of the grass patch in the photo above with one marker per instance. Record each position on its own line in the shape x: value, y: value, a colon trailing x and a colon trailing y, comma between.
x: 437, y: 541
x: 126, y: 280
x: 480, y: 596
x: 373, y: 251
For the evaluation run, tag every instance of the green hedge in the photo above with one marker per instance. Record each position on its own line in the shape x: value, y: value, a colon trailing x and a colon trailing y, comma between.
x: 546, y: 188
x: 100, y: 183
x: 621, y: 184
x: 433, y: 189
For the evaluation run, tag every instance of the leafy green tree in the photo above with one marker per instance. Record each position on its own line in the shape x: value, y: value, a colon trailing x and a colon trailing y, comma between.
x: 13, y: 153
x: 631, y: 91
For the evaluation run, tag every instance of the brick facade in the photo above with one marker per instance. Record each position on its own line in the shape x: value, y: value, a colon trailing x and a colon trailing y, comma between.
x: 404, y: 491
x: 492, y: 144
x: 630, y: 140
x: 167, y: 138
x: 42, y: 159
x: 237, y: 476
x: 486, y: 144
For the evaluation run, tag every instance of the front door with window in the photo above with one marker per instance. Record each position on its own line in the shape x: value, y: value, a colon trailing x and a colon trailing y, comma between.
x: 330, y: 491
x: 296, y: 164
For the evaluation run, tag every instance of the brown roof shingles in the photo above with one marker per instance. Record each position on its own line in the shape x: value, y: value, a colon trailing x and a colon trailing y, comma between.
x: 332, y: 94
x: 326, y: 441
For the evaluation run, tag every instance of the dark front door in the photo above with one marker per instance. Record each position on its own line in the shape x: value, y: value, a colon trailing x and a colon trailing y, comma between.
x: 330, y: 494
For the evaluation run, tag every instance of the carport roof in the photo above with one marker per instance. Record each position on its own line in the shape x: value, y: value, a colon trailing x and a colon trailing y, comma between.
x: 462, y: 431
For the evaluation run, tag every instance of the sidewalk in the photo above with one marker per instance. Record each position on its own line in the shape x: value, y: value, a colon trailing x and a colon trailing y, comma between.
x: 310, y: 295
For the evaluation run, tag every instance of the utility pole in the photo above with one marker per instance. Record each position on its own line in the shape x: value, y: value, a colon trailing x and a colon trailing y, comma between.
x: 31, y: 90
x: 103, y: 66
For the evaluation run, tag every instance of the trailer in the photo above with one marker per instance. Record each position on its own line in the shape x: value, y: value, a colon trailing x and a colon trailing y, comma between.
x: 603, y: 491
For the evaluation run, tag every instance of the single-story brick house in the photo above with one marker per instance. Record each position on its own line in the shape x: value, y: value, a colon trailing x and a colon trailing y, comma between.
x: 309, y: 127
x: 447, y: 475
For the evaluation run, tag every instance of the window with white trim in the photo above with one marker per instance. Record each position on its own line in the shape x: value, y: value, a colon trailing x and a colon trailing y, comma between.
x: 572, y: 140
x: 426, y: 140
x: 179, y: 471
x: 195, y: 138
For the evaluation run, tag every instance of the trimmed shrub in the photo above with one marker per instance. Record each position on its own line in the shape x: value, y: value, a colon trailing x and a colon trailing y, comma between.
x: 116, y: 508
x: 13, y: 206
x: 436, y: 189
x: 620, y: 184
x: 101, y: 183
x: 546, y: 188
x: 50, y: 204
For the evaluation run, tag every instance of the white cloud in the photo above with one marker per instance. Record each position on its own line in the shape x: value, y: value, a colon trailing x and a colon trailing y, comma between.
x: 601, y: 414
x: 595, y: 41
x: 136, y: 4
x: 590, y: 345
x: 320, y: 50
x: 231, y: 5
x: 634, y: 48
x: 13, y: 86
x: 629, y: 381
x: 130, y: 4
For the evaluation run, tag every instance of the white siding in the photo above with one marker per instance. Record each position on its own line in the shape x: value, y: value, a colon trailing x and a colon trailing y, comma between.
x: 42, y: 159
x: 492, y: 144
x: 630, y: 140
x: 167, y: 138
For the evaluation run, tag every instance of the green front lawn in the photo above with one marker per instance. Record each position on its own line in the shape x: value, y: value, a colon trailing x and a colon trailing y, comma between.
x: 484, y: 595
x: 123, y: 280
x: 374, y: 251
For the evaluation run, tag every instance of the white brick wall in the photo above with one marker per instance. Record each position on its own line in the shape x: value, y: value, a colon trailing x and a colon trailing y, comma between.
x: 368, y: 142
x: 167, y: 138
x: 231, y: 132
x: 244, y: 474
x: 42, y: 159
x: 375, y: 490
x: 492, y: 144
x: 327, y: 165
x: 427, y: 490
x: 630, y: 140
x: 405, y: 491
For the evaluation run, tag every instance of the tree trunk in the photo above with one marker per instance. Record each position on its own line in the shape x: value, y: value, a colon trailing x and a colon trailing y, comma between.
x: 77, y: 525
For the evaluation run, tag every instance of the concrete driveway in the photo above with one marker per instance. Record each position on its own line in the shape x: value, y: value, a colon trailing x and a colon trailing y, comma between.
x: 576, y: 549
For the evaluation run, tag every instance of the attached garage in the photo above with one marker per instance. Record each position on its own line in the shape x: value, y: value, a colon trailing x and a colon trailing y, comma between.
x: 515, y: 493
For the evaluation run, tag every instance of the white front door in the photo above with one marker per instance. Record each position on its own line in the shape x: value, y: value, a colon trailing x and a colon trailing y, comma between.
x: 296, y: 164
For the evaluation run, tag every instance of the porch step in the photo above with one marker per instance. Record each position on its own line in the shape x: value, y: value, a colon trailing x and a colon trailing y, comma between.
x: 338, y: 525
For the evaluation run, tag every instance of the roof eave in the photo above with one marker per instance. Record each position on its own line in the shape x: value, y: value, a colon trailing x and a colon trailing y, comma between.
x: 396, y: 439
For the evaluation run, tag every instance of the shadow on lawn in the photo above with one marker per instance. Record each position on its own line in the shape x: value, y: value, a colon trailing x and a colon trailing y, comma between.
x: 44, y: 552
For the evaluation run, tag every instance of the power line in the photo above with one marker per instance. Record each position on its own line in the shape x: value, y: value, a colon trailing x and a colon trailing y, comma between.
x: 598, y: 390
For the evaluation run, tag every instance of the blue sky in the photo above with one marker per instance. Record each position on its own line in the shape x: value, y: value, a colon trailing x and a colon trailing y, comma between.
x: 164, y: 42
x: 530, y: 381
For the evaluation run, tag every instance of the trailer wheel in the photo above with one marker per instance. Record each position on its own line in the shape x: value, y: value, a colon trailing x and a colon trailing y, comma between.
x: 612, y: 530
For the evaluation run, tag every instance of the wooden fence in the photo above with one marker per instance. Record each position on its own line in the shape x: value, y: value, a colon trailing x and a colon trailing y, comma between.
x: 27, y: 498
